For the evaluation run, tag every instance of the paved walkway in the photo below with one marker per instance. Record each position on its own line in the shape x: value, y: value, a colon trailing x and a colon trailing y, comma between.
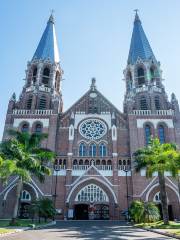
x: 86, y: 230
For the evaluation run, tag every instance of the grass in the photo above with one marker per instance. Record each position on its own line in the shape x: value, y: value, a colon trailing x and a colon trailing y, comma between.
x: 159, y: 225
x: 174, y: 231
x: 20, y: 223
x: 5, y: 230
x: 172, y: 228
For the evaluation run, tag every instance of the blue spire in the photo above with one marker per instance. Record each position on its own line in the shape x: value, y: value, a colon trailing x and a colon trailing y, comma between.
x: 47, y: 47
x: 140, y: 46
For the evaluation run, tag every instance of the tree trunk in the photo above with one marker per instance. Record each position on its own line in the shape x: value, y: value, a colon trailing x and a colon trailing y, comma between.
x: 163, y: 198
x: 17, y: 198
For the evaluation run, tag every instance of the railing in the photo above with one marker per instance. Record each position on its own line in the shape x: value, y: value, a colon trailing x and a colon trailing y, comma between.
x: 141, y: 89
x: 124, y: 167
x: 36, y: 112
x: 80, y: 167
x: 45, y: 89
x: 85, y: 167
x: 59, y: 167
x: 104, y: 167
x: 169, y: 112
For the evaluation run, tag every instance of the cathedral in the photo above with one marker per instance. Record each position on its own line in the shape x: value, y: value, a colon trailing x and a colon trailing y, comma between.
x: 93, y: 176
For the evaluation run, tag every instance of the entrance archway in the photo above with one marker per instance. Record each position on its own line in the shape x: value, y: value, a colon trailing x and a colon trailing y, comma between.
x: 94, y: 196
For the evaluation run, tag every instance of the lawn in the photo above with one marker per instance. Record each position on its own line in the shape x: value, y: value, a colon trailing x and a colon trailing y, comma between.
x: 160, y: 225
x: 5, y: 230
x: 21, y: 223
x: 172, y: 228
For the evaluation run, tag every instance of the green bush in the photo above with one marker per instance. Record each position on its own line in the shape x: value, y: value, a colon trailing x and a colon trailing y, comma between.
x: 43, y: 208
x: 144, y: 212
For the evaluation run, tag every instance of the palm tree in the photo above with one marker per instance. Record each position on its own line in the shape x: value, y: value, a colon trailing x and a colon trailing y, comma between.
x: 23, y: 157
x: 157, y: 157
x: 144, y: 211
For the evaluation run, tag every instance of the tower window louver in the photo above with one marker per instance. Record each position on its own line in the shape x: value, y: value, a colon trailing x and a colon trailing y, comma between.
x: 141, y: 77
x: 157, y: 103
x: 29, y: 103
x: 46, y: 76
x: 42, y: 103
x: 143, y: 103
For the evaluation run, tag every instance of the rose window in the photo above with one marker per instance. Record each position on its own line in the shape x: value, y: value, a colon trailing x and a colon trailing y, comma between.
x: 93, y: 129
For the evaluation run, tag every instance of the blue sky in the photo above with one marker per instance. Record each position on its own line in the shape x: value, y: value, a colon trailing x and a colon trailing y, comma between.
x: 94, y: 39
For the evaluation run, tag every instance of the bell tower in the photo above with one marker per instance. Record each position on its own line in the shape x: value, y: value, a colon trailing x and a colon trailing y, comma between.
x: 143, y: 75
x: 42, y: 89
x: 40, y: 103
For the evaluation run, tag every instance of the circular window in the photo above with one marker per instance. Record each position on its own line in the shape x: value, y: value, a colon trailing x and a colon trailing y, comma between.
x: 93, y: 129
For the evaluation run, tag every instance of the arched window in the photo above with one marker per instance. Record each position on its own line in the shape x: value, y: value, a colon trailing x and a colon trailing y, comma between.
x: 86, y: 162
x: 109, y: 162
x: 38, y: 128
x: 80, y: 162
x: 46, y: 76
x: 143, y: 103
x: 42, y: 102
x: 25, y: 127
x: 92, y: 193
x: 124, y: 162
x: 82, y: 150
x: 157, y: 197
x: 120, y: 162
x: 147, y: 134
x: 129, y: 81
x: 25, y: 196
x: 98, y: 162
x: 103, y: 162
x: 75, y: 162
x: 34, y: 77
x: 64, y: 162
x: 57, y: 81
x: 157, y: 103
x: 29, y: 102
x: 161, y: 134
x: 152, y: 74
x: 141, y: 77
x: 92, y: 150
x: 102, y: 150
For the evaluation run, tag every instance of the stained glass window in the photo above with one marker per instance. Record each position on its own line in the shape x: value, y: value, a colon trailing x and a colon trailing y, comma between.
x: 147, y: 134
x: 92, y: 193
x: 82, y: 150
x: 93, y: 129
x: 102, y: 150
x: 92, y: 150
x: 161, y: 134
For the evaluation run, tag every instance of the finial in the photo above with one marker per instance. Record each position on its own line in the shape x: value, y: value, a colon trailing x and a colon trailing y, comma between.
x: 13, y: 97
x: 173, y: 97
x: 136, y: 15
x: 136, y: 10
x: 51, y: 18
x: 93, y: 83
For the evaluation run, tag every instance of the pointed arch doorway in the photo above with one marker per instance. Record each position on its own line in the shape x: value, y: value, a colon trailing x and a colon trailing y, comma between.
x: 91, y: 200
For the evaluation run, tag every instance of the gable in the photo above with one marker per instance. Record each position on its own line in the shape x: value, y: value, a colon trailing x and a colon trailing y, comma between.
x: 93, y: 103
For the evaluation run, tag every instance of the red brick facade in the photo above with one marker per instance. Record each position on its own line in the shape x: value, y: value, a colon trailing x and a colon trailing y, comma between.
x: 94, y: 143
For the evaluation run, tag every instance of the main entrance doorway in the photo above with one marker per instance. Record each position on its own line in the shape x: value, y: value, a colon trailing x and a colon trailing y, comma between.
x: 92, y: 203
x: 81, y: 212
x: 91, y: 212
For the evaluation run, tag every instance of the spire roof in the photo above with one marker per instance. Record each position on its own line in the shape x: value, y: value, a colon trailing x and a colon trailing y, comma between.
x: 140, y: 47
x: 48, y: 47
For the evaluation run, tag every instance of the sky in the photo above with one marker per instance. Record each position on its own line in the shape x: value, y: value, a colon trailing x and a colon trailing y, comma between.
x: 94, y: 39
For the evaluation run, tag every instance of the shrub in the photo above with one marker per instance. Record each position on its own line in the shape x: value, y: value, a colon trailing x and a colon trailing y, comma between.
x: 144, y: 212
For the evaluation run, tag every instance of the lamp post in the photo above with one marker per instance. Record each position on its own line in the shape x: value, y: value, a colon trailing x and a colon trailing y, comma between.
x: 127, y: 193
x: 56, y: 169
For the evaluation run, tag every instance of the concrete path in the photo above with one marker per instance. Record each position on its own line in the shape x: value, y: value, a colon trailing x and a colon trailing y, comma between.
x: 86, y: 230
